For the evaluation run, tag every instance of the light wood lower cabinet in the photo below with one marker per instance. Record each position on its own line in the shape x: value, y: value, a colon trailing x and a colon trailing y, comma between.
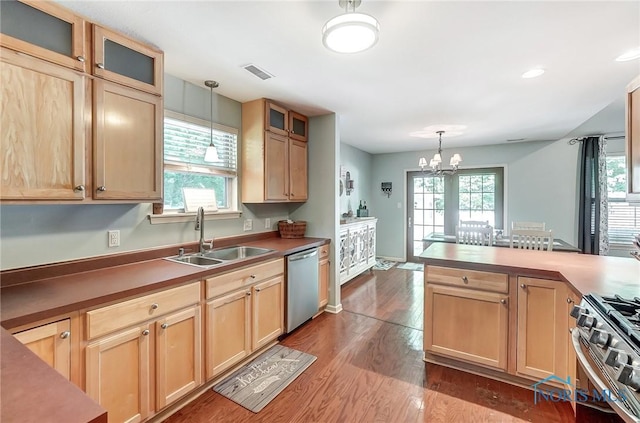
x: 241, y: 321
x: 323, y: 277
x: 118, y: 374
x: 120, y: 371
x: 52, y: 343
x: 543, y: 321
x: 467, y: 324
x: 228, y: 331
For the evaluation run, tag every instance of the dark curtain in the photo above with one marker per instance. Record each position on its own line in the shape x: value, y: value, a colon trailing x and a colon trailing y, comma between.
x: 589, y: 213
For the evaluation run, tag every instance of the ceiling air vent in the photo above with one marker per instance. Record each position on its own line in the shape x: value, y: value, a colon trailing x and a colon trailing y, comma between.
x: 260, y: 73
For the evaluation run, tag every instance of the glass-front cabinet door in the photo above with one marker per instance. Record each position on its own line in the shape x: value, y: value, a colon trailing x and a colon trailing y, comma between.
x: 298, y: 126
x: 276, y: 119
x: 127, y: 62
x: 44, y: 30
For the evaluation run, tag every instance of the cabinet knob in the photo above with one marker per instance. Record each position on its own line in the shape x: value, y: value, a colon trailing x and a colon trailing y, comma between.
x: 102, y: 188
x: 79, y: 188
x: 154, y: 306
x: 257, y: 289
x: 569, y: 300
x: 503, y: 301
x: 164, y: 326
x: 100, y: 65
x: 80, y: 58
x: 523, y: 286
x: 65, y: 334
x: 253, y: 276
x: 248, y: 293
x: 465, y: 279
x: 145, y: 332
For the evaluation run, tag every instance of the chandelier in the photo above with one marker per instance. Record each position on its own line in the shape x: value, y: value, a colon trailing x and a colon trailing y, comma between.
x: 350, y: 32
x: 436, y: 161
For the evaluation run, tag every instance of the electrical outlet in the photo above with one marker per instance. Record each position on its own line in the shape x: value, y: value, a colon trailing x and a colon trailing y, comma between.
x: 114, y: 238
x: 267, y: 223
x: 248, y: 224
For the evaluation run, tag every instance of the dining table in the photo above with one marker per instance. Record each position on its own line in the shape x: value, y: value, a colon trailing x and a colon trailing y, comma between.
x: 502, y: 241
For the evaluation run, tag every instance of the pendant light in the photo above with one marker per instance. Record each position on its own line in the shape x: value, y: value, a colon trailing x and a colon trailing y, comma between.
x: 350, y: 32
x: 211, y: 155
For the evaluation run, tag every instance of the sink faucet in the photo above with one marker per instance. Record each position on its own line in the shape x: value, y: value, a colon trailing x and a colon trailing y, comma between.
x: 200, y: 227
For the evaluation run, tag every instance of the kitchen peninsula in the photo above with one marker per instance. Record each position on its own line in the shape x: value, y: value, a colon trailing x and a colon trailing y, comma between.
x: 504, y: 313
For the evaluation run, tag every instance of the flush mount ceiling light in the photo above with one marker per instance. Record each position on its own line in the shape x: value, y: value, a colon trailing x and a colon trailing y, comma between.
x: 436, y: 162
x: 351, y: 32
x: 533, y: 73
x: 211, y: 155
x: 629, y: 55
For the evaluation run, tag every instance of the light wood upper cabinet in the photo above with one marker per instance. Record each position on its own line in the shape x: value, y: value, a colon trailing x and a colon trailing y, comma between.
x: 42, y: 128
x: 633, y: 140
x: 274, y: 160
x: 60, y: 34
x: 127, y: 143
x: 467, y: 324
x: 120, y: 59
x: 52, y: 343
x: 543, y: 322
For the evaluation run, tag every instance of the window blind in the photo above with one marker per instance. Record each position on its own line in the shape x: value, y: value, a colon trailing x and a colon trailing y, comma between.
x: 624, y: 222
x: 185, y: 144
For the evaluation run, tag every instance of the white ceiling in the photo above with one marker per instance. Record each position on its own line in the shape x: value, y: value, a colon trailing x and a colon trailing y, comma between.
x: 437, y: 62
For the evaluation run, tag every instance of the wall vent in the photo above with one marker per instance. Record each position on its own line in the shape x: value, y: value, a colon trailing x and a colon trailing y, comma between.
x: 260, y: 73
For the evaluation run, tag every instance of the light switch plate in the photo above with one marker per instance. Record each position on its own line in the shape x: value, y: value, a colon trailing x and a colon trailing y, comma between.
x: 248, y: 224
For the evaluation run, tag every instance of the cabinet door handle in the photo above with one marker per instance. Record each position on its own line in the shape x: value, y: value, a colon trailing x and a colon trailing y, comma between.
x: 154, y: 306
x: 100, y: 65
x: 65, y: 334
x: 465, y: 279
x: 145, y: 332
x: 523, y: 286
x: 79, y: 188
x: 102, y: 188
x: 503, y: 301
x: 164, y: 326
x: 80, y: 58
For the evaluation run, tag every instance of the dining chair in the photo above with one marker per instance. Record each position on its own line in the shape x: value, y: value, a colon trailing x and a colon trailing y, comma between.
x: 474, y: 235
x: 536, y: 226
x: 474, y: 223
x: 531, y: 239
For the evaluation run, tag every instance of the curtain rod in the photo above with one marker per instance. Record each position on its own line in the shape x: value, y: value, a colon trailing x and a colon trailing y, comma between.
x: 580, y: 139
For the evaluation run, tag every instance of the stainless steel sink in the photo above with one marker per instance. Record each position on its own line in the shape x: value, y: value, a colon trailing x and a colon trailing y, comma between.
x: 196, y: 259
x: 236, y: 252
x: 219, y: 256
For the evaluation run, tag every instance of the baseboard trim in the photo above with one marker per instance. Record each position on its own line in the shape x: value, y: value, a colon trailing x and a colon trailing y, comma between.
x: 333, y: 309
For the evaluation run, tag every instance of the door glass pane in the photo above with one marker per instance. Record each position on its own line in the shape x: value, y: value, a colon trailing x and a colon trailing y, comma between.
x: 276, y: 119
x: 36, y: 27
x: 130, y: 63
x: 299, y: 127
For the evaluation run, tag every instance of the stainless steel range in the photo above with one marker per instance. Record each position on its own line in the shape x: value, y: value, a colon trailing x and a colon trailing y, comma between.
x: 607, y: 344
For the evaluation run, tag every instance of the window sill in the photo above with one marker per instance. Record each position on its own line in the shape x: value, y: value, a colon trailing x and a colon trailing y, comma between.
x: 156, y: 219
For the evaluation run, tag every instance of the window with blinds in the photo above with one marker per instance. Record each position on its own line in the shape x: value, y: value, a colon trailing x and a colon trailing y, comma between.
x: 623, y: 219
x: 185, y: 142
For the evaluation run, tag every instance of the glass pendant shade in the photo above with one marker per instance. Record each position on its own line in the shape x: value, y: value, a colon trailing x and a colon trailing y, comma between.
x: 350, y: 33
x: 211, y: 155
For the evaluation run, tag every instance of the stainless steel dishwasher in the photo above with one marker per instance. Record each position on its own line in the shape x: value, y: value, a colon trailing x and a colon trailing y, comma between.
x: 302, y: 287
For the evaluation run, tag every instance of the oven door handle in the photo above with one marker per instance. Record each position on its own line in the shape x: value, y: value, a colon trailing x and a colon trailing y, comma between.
x: 595, y: 379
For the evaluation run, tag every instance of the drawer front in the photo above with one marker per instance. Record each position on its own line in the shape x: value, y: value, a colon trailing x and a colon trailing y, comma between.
x: 487, y: 281
x: 237, y: 279
x: 127, y: 313
x: 323, y: 251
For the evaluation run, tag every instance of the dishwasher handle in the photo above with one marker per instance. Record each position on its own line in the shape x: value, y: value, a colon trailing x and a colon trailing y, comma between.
x: 303, y: 256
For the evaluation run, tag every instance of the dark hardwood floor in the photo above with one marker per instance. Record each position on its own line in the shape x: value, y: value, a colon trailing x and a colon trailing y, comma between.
x: 370, y: 369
